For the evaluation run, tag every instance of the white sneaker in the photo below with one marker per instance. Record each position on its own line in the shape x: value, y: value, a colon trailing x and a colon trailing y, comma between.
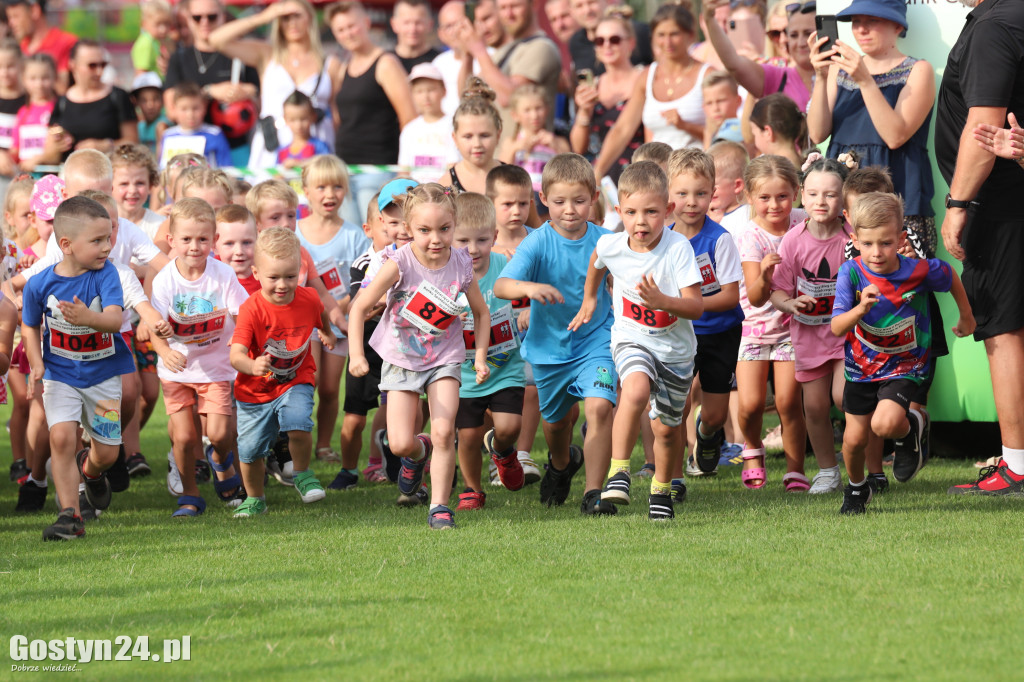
x: 826, y: 481
x: 530, y: 469
x: 495, y: 479
x: 174, y: 486
x: 691, y: 467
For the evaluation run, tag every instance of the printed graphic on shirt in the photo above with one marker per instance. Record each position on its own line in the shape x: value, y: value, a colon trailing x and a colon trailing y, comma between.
x: 73, y: 341
x: 196, y: 320
x: 284, y: 363
x: 821, y: 286
x: 424, y: 316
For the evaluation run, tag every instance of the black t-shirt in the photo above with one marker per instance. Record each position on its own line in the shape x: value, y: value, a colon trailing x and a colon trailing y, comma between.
x: 8, y: 112
x: 427, y: 56
x: 100, y: 120
x: 581, y: 49
x: 985, y: 68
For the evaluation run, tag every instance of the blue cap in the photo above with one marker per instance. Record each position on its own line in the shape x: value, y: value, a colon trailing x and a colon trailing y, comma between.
x: 893, y: 10
x: 389, y: 191
x: 729, y: 131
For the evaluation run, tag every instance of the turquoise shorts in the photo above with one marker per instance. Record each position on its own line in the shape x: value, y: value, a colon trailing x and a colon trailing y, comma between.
x: 560, y: 386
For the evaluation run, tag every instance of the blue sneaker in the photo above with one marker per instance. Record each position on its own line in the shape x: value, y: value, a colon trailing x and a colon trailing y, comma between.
x: 732, y: 454
x: 441, y: 518
x: 344, y: 480
x: 410, y: 478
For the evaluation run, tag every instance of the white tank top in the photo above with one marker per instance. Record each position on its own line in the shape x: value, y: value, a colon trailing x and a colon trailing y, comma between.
x: 690, y: 107
x: 276, y: 85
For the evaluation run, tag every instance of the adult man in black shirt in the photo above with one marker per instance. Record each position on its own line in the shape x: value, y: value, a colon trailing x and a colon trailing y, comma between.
x: 588, y: 14
x: 984, y: 227
x: 211, y: 70
x: 413, y: 25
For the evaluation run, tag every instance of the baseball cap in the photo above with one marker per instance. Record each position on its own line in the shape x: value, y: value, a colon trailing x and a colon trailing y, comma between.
x: 389, y: 191
x: 425, y: 70
x: 147, y: 79
x: 47, y: 195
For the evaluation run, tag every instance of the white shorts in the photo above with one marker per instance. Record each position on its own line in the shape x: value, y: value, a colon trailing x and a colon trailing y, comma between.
x: 97, y: 408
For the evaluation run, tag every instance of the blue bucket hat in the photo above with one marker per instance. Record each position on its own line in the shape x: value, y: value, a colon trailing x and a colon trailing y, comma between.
x: 392, y: 189
x: 892, y: 10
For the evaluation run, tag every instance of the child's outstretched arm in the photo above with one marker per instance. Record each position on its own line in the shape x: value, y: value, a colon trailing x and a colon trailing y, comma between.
x: 595, y: 276
x: 726, y: 299
x: 153, y: 320
x: 689, y: 304
x: 334, y: 314
x: 844, y: 322
x: 482, y: 321
x: 76, y: 312
x: 784, y: 303
x: 512, y: 289
x: 364, y: 300
x: 966, y: 324
x: 173, y: 360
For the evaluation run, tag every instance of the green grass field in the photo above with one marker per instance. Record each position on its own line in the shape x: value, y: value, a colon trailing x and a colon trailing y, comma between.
x: 743, y: 585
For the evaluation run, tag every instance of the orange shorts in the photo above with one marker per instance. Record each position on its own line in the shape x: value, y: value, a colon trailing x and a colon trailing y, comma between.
x: 212, y: 398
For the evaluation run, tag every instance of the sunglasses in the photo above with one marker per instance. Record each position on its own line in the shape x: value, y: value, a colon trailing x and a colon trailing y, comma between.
x: 97, y: 65
x: 802, y: 7
x: 775, y: 34
x: 198, y: 18
x: 599, y: 41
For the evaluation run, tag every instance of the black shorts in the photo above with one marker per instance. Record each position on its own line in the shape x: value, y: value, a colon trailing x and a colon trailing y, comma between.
x: 920, y: 394
x: 993, y: 276
x: 361, y: 393
x: 715, y: 363
x: 861, y: 397
x: 471, y: 410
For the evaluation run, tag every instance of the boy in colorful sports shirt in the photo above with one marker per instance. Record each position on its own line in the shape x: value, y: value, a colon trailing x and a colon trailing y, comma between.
x: 656, y: 292
x: 568, y: 365
x: 882, y: 308
x: 80, y: 357
x: 276, y: 370
x: 502, y: 395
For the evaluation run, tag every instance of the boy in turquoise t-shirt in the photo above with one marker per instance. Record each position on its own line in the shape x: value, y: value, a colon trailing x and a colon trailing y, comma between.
x: 503, y: 393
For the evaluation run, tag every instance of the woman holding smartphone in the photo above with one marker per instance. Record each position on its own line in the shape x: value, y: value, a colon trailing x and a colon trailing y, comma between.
x: 600, y: 102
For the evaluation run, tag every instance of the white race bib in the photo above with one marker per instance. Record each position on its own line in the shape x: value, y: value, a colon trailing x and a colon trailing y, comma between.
x: 824, y: 294
x: 334, y: 279
x: 709, y: 280
x: 200, y: 329
x: 75, y: 342
x: 894, y: 339
x: 284, y: 363
x: 503, y: 333
x: 430, y: 310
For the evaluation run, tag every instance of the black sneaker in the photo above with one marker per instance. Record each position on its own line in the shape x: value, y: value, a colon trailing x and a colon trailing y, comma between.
x: 441, y: 518
x: 138, y: 466
x: 908, y: 460
x: 678, y: 490
x: 709, y: 450
x: 879, y: 483
x: 344, y: 480
x: 31, y: 497
x: 97, y: 490
x: 89, y: 513
x: 19, y: 468
x: 855, y: 499
x: 67, y: 527
x: 593, y: 505
x: 392, y: 464
x: 118, y: 473
x: 555, y: 486
x: 660, y: 508
x: 203, y: 471
x: 616, y: 490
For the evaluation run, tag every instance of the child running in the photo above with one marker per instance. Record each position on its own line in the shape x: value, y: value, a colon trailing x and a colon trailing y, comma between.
x: 803, y: 286
x: 656, y: 292
x: 420, y: 341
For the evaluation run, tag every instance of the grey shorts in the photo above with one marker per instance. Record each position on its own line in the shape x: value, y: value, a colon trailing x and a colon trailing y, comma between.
x: 97, y: 408
x: 670, y: 383
x: 394, y: 378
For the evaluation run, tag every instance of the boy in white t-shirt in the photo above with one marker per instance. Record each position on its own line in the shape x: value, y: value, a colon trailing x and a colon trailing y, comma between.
x: 200, y: 297
x: 426, y: 142
x: 656, y: 293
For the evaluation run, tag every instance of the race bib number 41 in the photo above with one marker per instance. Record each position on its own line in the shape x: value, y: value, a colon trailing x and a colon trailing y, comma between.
x: 430, y: 310
x: 74, y: 342
x: 643, y: 319
x: 200, y: 329
x: 824, y: 295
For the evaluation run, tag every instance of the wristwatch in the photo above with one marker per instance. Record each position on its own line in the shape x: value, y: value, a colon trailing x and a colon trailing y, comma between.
x: 953, y: 203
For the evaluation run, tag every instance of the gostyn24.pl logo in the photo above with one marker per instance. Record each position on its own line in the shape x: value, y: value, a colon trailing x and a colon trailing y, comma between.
x: 71, y: 650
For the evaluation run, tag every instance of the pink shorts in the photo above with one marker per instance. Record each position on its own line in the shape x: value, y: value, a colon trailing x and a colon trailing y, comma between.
x: 804, y: 376
x: 212, y: 398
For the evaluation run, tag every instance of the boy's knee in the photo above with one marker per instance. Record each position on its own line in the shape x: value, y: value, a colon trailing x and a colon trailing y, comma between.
x: 889, y: 424
x: 598, y: 409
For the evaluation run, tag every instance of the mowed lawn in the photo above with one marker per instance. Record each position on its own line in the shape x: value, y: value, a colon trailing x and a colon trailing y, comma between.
x: 743, y: 585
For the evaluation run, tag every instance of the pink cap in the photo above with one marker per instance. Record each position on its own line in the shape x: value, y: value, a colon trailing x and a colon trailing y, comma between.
x: 425, y: 70
x: 47, y: 195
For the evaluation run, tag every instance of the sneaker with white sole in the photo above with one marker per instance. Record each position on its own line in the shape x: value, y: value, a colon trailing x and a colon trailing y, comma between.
x: 826, y: 481
x: 252, y: 506
x: 616, y: 490
x: 308, y: 486
x: 531, y: 472
x: 174, y: 486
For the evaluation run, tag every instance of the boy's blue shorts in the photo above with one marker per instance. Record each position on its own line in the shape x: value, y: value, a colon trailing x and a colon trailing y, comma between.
x: 260, y: 423
x: 560, y: 386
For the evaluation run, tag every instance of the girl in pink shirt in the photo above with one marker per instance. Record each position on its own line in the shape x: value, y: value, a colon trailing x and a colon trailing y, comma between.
x: 32, y: 124
x: 804, y: 286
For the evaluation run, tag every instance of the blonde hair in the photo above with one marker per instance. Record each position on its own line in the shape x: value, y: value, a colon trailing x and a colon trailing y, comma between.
x: 269, y: 190
x: 345, y: 7
x: 476, y: 212
x: 191, y: 208
x: 643, y: 177
x: 278, y: 46
x: 658, y: 152
x: 278, y: 243
x: 91, y: 163
x: 372, y: 210
x: 718, y: 78
x: 569, y: 169
x: 206, y: 178
x: 12, y: 46
x: 693, y: 161
x: 623, y: 16
x: 178, y: 164
x: 427, y: 193
x: 21, y: 187
x: 770, y: 166
x: 101, y: 198
x: 233, y: 213
x: 149, y: 8
x: 731, y: 158
x: 877, y: 209
x: 325, y: 168
x: 135, y: 156
x: 477, y: 100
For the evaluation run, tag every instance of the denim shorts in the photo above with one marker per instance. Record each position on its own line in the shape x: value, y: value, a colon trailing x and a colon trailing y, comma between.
x: 259, y: 423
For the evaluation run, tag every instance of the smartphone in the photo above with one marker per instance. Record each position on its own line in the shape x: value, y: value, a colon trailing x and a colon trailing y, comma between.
x: 585, y: 77
x: 471, y: 10
x: 827, y: 28
x: 747, y: 34
x: 269, y: 127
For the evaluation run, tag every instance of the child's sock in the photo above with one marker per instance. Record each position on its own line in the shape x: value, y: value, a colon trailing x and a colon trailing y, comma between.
x: 434, y: 506
x: 659, y: 488
x: 41, y: 484
x: 423, y: 451
x: 354, y: 472
x: 830, y: 469
x: 617, y: 466
x: 861, y: 484
x: 704, y: 434
x: 1014, y: 460
x: 510, y: 450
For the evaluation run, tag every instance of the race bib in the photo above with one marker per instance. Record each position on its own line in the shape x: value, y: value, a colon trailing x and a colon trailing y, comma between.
x: 824, y: 294
x: 894, y: 339
x: 521, y: 303
x: 428, y: 161
x: 709, y: 280
x: 200, y: 329
x: 7, y: 122
x: 503, y: 333
x: 284, y: 363
x: 182, y: 144
x: 644, y: 320
x: 333, y: 277
x: 75, y: 342
x: 31, y: 139
x: 430, y: 310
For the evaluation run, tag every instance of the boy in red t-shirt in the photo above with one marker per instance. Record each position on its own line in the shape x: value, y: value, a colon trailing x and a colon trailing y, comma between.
x: 276, y: 371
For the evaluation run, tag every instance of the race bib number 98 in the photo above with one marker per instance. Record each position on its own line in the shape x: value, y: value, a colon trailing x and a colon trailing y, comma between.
x: 642, y: 318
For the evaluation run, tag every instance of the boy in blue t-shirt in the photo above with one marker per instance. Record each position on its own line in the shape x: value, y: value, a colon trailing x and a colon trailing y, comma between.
x: 80, y: 357
x: 550, y: 268
x: 882, y: 308
x: 503, y: 392
x: 189, y: 109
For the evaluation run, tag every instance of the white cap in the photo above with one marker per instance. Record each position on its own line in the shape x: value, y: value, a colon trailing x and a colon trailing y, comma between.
x: 147, y: 79
x: 425, y: 70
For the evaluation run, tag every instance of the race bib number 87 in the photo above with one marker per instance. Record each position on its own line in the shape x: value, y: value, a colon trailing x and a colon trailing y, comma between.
x: 430, y: 310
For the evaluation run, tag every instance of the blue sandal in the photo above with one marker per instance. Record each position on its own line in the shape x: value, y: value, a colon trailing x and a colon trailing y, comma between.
x: 227, y: 490
x: 197, y: 502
